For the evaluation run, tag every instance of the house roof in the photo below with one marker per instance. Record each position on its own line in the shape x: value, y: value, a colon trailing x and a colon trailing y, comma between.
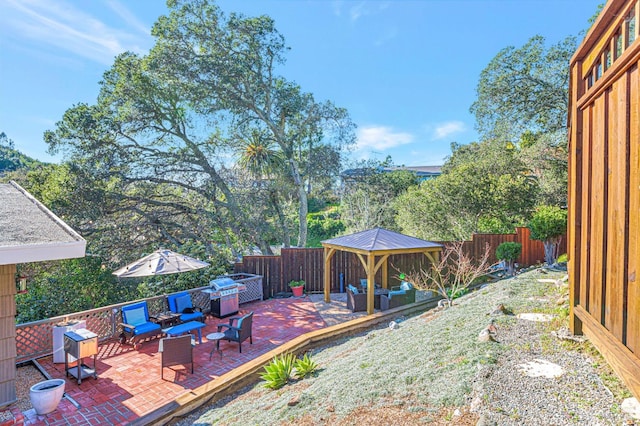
x: 30, y: 232
x: 380, y: 239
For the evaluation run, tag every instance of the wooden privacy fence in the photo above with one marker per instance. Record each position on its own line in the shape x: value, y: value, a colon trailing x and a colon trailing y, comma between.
x: 604, y: 190
x: 308, y: 263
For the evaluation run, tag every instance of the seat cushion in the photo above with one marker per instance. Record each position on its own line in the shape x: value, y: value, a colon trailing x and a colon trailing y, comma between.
x: 135, y: 316
x: 194, y: 316
x: 147, y: 327
x: 183, y: 302
x: 353, y: 289
x: 396, y: 293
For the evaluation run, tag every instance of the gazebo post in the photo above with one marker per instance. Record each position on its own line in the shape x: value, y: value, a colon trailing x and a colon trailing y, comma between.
x: 328, y: 254
x: 371, y: 276
x: 385, y: 273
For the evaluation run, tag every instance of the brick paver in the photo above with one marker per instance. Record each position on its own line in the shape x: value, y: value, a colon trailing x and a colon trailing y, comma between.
x: 129, y: 383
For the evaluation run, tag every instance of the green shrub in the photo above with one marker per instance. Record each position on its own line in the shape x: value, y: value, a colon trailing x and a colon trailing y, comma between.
x: 508, y: 251
x: 278, y: 371
x: 305, y: 366
x: 563, y: 258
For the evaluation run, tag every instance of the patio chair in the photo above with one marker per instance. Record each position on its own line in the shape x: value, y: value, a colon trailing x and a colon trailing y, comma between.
x: 136, y: 325
x: 238, y: 333
x: 175, y: 351
x: 180, y: 303
x: 356, y: 300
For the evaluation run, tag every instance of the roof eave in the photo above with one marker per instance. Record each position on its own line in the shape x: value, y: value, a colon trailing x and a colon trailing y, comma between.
x: 12, y: 255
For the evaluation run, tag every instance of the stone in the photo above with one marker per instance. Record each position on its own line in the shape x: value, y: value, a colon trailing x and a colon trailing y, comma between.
x: 541, y: 368
x: 565, y: 334
x: 394, y: 325
x: 562, y: 300
x: 475, y: 405
x: 535, y: 317
x: 486, y: 336
x: 294, y: 401
x: 500, y: 310
x: 631, y: 406
x: 457, y: 412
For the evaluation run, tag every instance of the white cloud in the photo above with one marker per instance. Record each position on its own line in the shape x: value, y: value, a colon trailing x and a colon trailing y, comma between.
x: 444, y: 130
x: 61, y: 25
x: 381, y: 138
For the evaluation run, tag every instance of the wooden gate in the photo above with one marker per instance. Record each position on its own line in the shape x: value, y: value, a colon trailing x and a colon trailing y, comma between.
x: 604, y: 190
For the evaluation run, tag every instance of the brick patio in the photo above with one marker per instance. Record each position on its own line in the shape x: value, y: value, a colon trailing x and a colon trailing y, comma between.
x: 129, y: 384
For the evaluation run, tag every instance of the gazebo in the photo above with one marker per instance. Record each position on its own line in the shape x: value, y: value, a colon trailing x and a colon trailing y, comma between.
x: 373, y: 247
x: 29, y: 232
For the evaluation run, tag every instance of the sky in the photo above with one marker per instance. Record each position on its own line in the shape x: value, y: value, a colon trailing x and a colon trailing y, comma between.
x: 406, y: 71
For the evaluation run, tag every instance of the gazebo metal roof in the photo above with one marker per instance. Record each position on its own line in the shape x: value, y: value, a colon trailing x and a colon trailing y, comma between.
x: 380, y: 239
x: 368, y: 245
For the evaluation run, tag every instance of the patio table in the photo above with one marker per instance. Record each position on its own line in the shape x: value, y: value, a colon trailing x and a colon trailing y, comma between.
x: 179, y: 329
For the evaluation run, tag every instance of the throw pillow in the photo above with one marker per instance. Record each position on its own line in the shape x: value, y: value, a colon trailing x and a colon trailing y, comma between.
x: 352, y: 289
x: 183, y: 302
x: 136, y: 316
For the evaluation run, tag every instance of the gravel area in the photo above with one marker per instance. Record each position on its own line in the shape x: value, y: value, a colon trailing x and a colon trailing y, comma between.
x: 26, y: 376
x: 433, y: 369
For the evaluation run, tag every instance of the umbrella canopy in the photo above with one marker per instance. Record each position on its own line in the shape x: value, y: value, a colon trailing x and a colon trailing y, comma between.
x: 160, y: 262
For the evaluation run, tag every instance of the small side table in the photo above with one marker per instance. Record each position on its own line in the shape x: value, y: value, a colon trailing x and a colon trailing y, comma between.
x: 215, y: 339
x: 165, y: 319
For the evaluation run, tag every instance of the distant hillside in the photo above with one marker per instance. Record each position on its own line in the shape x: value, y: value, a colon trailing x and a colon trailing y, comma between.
x: 12, y: 159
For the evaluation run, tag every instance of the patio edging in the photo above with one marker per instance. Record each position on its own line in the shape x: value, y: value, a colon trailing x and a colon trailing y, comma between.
x: 248, y: 373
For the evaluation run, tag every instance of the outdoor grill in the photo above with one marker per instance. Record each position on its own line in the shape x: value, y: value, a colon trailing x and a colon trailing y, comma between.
x: 224, y: 295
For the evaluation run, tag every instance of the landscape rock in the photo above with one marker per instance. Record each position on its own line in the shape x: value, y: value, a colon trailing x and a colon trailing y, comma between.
x: 294, y: 401
x: 565, y: 334
x: 535, y: 317
x: 394, y: 325
x: 631, y: 406
x: 541, y: 368
x: 562, y: 300
x: 501, y: 310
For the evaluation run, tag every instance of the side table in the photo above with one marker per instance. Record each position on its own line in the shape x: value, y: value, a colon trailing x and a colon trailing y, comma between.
x: 165, y: 319
x: 215, y: 339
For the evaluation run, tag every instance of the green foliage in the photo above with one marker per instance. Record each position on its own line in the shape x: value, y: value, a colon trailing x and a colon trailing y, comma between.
x: 525, y: 88
x: 509, y: 251
x: 548, y: 222
x: 484, y: 187
x: 63, y: 287
x: 298, y: 283
x: 368, y: 195
x: 563, y: 258
x: 278, y: 372
x: 305, y: 366
x: 12, y: 159
x: 322, y: 226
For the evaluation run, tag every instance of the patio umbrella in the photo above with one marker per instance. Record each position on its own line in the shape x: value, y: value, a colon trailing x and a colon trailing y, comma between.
x: 160, y: 262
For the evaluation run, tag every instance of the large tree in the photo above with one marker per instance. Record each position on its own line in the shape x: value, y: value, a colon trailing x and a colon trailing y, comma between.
x: 166, y: 124
x: 484, y: 187
x: 231, y: 64
x: 522, y: 99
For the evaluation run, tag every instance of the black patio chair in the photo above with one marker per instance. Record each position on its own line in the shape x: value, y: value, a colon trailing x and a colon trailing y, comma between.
x: 237, y: 333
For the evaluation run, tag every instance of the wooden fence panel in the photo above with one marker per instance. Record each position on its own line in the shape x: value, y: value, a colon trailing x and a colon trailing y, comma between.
x: 597, y: 201
x: 616, y: 254
x: 270, y: 267
x: 633, y: 271
x: 604, y: 204
x: 308, y: 263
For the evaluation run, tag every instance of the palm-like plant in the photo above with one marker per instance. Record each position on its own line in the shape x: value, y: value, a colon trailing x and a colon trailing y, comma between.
x: 258, y: 156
